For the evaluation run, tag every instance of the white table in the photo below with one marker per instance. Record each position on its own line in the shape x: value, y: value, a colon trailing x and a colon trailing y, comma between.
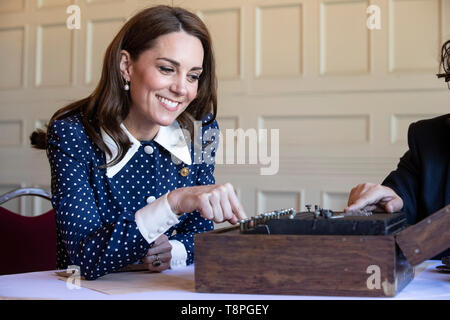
x: 427, y: 284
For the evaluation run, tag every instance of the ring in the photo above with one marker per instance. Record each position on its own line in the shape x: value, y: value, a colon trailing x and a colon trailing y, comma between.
x: 156, y: 262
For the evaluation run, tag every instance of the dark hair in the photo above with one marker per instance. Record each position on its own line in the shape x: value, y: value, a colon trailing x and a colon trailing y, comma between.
x: 109, y: 104
x: 445, y: 62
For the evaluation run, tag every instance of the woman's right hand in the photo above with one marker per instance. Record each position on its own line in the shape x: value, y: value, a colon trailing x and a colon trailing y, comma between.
x: 216, y: 202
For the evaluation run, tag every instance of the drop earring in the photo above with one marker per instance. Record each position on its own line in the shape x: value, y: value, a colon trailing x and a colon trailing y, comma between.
x: 126, y: 87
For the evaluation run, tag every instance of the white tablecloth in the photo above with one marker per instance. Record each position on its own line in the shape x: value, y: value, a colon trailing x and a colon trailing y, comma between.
x: 427, y: 284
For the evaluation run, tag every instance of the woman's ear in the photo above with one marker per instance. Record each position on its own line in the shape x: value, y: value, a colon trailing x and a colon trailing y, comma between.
x: 125, y: 65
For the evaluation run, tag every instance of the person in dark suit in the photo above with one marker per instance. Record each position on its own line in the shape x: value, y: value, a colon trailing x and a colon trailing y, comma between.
x: 420, y: 185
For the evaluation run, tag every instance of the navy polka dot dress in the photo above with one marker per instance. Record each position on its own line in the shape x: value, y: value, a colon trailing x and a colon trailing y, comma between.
x: 95, y: 211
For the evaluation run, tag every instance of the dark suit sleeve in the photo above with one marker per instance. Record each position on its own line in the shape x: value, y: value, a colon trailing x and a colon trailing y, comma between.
x: 405, y: 180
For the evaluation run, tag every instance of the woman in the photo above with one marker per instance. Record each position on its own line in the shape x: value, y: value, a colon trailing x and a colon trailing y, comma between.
x: 118, y: 195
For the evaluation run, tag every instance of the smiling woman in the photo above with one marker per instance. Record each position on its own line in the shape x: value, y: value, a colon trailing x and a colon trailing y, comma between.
x: 119, y: 197
x: 162, y: 82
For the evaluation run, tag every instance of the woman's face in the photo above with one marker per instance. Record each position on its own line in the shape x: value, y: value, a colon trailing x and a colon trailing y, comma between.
x: 163, y: 80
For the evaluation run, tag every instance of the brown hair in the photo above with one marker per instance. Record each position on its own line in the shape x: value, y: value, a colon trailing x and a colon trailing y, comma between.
x: 109, y: 103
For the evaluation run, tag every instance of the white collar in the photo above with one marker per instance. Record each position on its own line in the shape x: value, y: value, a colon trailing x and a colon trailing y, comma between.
x: 170, y: 137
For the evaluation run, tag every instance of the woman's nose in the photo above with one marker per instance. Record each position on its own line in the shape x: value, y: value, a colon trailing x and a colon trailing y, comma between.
x: 179, y: 86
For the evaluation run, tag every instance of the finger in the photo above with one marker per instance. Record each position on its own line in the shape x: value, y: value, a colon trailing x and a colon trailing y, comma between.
x: 149, y: 259
x: 394, y: 205
x: 368, y: 194
x: 155, y: 245
x: 161, y: 239
x: 162, y: 248
x: 356, y: 193
x: 371, y: 207
x: 351, y: 197
x: 359, y: 203
x: 204, y: 207
x: 236, y: 207
x: 233, y: 220
x: 158, y: 264
x: 226, y: 208
x: 163, y: 257
x: 214, y: 200
x: 161, y: 267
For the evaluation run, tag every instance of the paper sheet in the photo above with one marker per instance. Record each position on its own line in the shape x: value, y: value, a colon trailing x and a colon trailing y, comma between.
x: 421, y: 267
x: 138, y: 281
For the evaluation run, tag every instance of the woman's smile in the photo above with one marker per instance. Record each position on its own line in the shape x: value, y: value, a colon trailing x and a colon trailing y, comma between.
x: 167, y: 103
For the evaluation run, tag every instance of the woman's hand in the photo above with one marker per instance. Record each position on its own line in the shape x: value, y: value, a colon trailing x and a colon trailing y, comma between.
x: 160, y: 251
x: 215, y: 202
x: 371, y: 196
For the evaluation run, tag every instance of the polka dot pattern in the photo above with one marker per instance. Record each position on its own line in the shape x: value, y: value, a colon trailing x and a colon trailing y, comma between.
x: 96, y: 228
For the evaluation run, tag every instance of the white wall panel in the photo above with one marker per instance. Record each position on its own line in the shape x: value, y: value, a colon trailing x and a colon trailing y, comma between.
x: 11, y: 132
x: 227, y: 122
x: 54, y: 55
x: 225, y: 28
x: 320, y: 129
x: 9, y: 6
x: 100, y: 33
x: 344, y: 38
x: 415, y: 34
x: 269, y: 200
x: 279, y: 40
x: 334, y: 200
x: 445, y: 20
x: 12, y: 52
x: 53, y: 3
x: 400, y: 124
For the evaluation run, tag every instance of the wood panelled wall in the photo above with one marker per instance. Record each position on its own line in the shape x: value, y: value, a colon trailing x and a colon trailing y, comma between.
x: 340, y: 94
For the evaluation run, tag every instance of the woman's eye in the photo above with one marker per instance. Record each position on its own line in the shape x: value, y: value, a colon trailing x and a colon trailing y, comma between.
x: 166, y: 69
x: 194, y: 77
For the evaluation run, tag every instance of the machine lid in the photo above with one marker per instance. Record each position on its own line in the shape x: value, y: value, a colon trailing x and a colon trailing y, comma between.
x: 427, y: 238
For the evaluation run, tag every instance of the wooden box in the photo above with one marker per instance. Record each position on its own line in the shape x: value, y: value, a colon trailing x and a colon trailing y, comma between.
x: 227, y: 261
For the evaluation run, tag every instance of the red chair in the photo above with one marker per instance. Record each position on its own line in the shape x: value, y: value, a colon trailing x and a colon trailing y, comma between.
x: 27, y: 244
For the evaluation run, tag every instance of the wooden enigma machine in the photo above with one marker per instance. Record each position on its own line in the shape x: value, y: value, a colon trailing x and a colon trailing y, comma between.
x: 318, y: 252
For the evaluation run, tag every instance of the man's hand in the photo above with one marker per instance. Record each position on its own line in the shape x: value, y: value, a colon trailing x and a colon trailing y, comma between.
x: 373, y: 197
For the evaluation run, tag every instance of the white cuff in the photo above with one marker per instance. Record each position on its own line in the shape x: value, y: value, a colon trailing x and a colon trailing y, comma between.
x: 179, y: 254
x: 155, y: 218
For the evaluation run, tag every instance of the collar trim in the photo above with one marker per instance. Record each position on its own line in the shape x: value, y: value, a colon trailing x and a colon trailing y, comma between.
x: 170, y: 137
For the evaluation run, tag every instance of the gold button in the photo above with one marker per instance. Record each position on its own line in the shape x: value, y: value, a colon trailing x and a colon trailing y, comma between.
x: 184, y: 172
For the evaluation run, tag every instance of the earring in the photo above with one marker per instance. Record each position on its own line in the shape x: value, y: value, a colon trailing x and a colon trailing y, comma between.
x: 126, y: 87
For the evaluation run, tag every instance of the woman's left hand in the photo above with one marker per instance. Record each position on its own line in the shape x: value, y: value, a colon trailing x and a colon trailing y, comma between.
x: 160, y: 251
